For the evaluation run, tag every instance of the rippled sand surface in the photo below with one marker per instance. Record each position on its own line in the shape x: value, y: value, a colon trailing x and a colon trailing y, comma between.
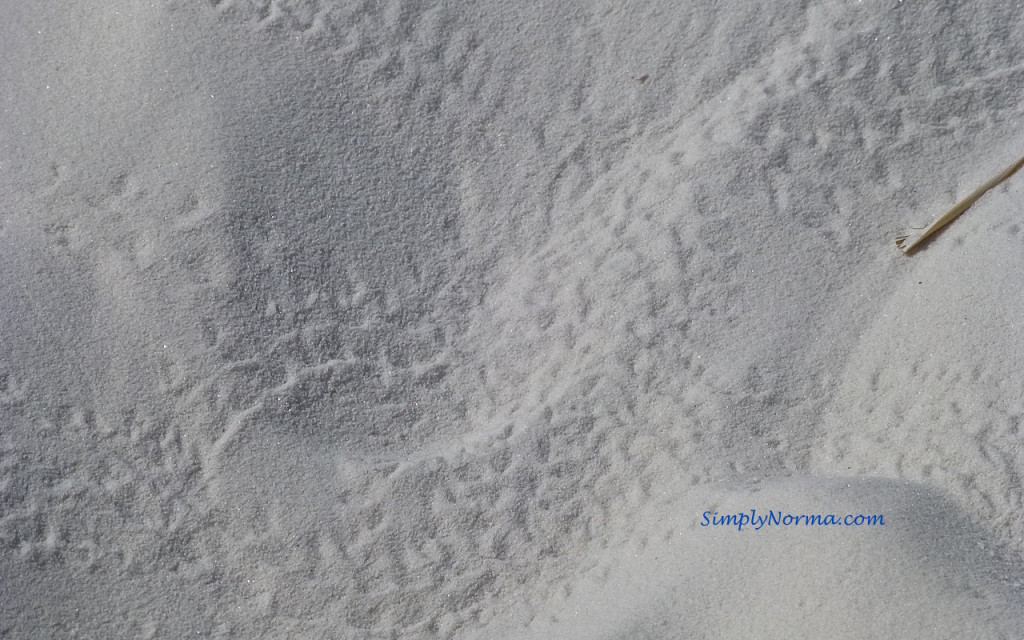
x: 450, y: 320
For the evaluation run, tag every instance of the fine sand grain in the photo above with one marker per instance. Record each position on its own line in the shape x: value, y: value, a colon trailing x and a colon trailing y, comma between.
x: 396, y: 319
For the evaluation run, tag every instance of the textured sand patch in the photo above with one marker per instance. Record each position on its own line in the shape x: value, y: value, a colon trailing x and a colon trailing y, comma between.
x: 934, y: 391
x: 378, y: 319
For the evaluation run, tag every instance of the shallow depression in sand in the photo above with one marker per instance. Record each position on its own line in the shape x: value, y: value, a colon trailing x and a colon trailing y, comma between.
x: 347, y: 293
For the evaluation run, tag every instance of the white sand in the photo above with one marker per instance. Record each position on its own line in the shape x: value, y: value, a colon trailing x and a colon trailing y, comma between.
x: 385, y: 320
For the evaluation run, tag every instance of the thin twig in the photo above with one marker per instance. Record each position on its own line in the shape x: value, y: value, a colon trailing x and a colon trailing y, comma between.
x: 908, y: 241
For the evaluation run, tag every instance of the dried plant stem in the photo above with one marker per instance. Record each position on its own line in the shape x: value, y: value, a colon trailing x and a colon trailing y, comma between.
x: 910, y: 240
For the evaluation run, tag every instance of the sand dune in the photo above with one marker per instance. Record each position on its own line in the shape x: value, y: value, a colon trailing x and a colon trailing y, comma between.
x: 406, y: 320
